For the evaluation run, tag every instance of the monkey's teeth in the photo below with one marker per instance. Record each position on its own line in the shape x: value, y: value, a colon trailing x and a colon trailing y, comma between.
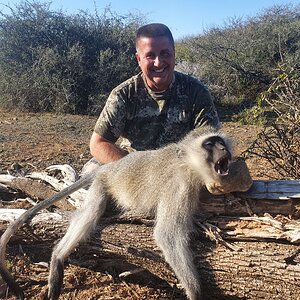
x: 222, y: 166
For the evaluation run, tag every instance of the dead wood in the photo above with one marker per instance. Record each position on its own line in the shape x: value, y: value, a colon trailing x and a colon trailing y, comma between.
x: 34, y: 189
x: 265, y: 196
x: 275, y: 197
x: 263, y: 267
x: 255, y: 254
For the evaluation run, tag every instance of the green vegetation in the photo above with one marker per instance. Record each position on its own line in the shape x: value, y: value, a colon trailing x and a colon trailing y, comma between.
x: 53, y: 62
x: 279, y: 142
x: 50, y: 61
x: 239, y: 60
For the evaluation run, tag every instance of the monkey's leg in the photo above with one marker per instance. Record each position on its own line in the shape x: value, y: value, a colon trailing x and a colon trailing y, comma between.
x: 82, y: 223
x: 172, y: 236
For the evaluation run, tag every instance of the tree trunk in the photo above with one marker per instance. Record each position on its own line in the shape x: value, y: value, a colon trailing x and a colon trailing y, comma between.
x: 255, y: 254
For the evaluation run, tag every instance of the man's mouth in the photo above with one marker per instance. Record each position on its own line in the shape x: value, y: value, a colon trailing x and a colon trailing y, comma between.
x: 159, y: 71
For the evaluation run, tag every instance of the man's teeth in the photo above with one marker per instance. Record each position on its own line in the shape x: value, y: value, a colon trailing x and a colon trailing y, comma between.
x: 159, y: 71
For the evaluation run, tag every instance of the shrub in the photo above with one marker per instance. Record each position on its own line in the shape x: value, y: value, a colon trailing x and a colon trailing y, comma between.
x: 239, y: 58
x: 279, y: 143
x: 50, y: 61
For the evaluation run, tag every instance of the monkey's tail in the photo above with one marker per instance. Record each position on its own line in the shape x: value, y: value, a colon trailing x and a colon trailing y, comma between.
x: 7, y: 277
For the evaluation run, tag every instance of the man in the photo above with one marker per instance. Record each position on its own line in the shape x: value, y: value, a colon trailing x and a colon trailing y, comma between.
x: 155, y: 107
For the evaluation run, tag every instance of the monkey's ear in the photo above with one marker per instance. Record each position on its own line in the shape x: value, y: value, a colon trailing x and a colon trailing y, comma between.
x: 180, y: 152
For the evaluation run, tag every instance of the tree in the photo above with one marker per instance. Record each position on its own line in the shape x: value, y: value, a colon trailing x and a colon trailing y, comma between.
x: 279, y: 142
x: 237, y: 60
x: 65, y: 63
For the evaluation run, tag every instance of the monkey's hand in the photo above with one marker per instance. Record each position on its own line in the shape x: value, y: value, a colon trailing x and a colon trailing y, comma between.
x: 238, y: 179
x: 216, y: 188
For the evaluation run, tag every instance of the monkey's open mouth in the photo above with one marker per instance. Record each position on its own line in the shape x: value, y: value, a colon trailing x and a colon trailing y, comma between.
x: 222, y: 166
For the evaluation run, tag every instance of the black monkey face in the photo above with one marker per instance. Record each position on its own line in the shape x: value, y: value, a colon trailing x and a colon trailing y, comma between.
x: 218, y: 154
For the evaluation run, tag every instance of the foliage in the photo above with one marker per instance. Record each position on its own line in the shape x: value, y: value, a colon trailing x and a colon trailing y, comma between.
x: 283, y: 95
x: 279, y: 143
x: 50, y: 61
x: 254, y: 65
x: 237, y: 60
x: 254, y: 115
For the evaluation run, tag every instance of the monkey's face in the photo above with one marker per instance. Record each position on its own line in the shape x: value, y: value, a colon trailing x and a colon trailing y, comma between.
x: 210, y: 157
x: 217, y: 154
x: 218, y: 157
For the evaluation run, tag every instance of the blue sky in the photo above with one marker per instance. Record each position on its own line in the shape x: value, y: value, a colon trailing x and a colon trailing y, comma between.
x: 188, y: 17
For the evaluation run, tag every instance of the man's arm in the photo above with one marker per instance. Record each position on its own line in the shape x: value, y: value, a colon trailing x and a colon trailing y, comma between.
x: 105, y: 151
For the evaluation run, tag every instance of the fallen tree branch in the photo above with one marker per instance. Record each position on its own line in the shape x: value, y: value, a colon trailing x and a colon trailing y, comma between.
x: 254, y: 255
x: 262, y: 266
x: 273, y: 197
x: 217, y: 228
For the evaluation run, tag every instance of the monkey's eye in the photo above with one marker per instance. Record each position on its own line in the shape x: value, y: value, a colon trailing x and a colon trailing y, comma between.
x: 208, y: 144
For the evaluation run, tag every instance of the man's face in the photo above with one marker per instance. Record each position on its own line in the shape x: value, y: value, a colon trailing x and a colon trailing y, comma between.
x: 156, y: 58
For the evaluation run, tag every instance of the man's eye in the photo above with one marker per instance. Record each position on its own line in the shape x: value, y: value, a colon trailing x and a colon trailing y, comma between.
x: 165, y: 54
x: 150, y: 56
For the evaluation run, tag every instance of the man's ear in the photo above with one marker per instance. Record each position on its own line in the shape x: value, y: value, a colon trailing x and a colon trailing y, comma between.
x: 137, y: 57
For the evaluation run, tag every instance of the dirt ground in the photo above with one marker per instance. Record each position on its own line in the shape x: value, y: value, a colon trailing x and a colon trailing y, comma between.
x: 36, y: 141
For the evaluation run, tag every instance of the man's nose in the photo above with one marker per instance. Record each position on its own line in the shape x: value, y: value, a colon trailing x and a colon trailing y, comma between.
x: 157, y: 60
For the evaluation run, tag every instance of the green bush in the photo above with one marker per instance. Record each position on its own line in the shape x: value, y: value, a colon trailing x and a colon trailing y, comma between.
x: 238, y: 59
x: 50, y: 61
x: 254, y: 115
x: 279, y: 142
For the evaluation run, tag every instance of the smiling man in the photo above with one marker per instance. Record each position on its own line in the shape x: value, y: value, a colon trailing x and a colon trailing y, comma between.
x: 155, y: 107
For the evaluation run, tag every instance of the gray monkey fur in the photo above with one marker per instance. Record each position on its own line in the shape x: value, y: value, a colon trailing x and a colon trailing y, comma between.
x: 168, y: 183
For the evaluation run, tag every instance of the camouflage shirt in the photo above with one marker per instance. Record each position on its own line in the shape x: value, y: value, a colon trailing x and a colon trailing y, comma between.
x: 148, y: 120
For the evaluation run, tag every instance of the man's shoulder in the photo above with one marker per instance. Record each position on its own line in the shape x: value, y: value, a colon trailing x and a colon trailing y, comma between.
x: 131, y: 83
x: 183, y: 79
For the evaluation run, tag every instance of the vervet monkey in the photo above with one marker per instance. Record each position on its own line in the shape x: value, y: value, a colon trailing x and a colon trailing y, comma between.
x: 168, y: 183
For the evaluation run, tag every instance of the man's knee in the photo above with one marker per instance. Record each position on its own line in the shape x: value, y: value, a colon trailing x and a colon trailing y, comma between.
x: 91, y: 165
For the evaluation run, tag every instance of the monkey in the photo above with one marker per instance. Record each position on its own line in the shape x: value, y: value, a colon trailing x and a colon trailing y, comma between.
x: 167, y: 182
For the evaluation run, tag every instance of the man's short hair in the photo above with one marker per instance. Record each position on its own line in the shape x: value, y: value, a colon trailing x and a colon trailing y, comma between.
x: 154, y: 30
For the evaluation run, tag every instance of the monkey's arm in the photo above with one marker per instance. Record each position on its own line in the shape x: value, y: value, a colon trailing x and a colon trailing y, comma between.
x: 29, y: 214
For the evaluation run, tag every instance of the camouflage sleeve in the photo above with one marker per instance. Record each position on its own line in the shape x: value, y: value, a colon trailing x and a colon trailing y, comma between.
x: 204, y: 110
x: 111, y: 121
